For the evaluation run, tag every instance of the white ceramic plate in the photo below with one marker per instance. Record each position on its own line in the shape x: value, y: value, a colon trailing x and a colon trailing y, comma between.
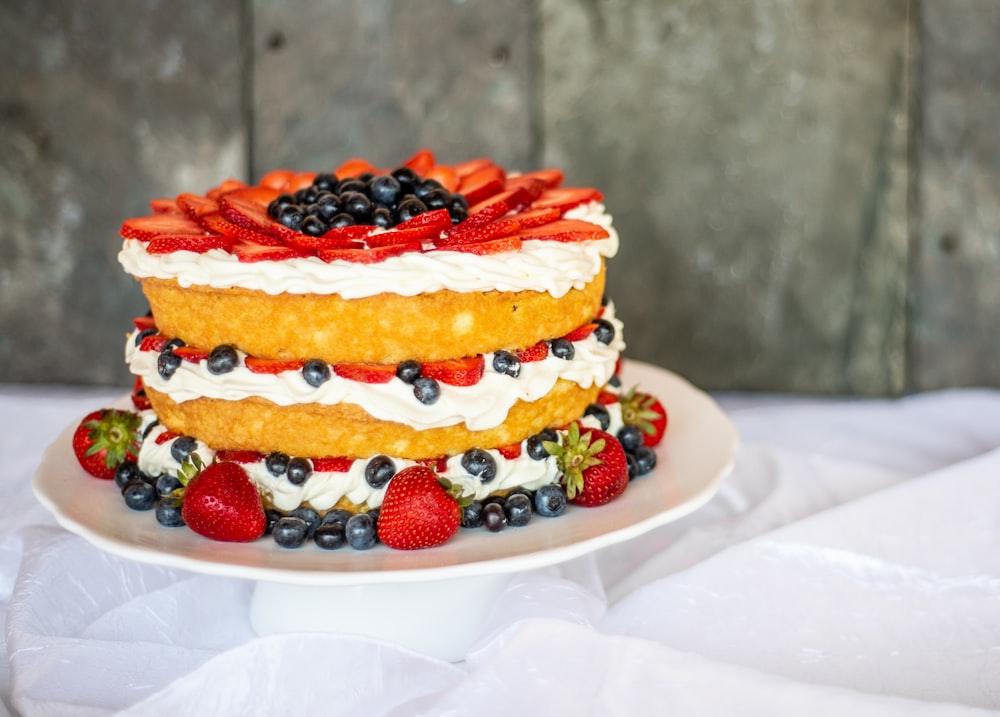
x: 692, y: 460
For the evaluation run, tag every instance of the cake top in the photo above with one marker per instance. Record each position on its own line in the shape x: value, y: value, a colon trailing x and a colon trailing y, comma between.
x: 362, y: 214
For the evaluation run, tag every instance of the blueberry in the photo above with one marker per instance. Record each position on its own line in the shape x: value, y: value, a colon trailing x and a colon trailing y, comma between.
x: 342, y: 220
x: 409, y: 208
x: 330, y: 536
x: 427, y: 390
x: 222, y: 359
x: 277, y: 463
x: 146, y: 431
x: 423, y: 187
x: 357, y: 205
x: 310, y: 516
x: 325, y: 181
x: 316, y: 372
x: 166, y: 484
x: 382, y: 217
x: 600, y: 413
x: 534, y: 445
x: 337, y: 515
x: 168, y: 512
x: 290, y: 531
x: 384, y: 189
x: 506, y: 363
x: 167, y: 363
x: 314, y: 225
x: 605, y: 331
x: 292, y: 217
x: 351, y: 184
x: 408, y: 371
x: 361, y: 531
x: 298, y: 470
x: 276, y: 205
x: 407, y: 179
x: 631, y: 465
x: 615, y: 382
x: 472, y: 514
x: 327, y: 207
x: 459, y: 202
x: 183, y: 447
x: 645, y: 457
x: 271, y: 516
x: 307, y: 195
x: 457, y: 215
x: 550, y: 500
x: 139, y: 495
x: 481, y: 464
x: 173, y: 344
x: 517, y: 508
x: 562, y: 348
x: 437, y: 199
x: 143, y: 334
x: 631, y: 437
x: 494, y: 517
x: 126, y: 471
x: 379, y: 471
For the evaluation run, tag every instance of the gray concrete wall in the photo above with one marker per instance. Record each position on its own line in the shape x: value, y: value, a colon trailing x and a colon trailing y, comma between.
x: 806, y: 189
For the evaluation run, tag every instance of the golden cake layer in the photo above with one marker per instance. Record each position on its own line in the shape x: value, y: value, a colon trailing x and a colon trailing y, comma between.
x: 385, y: 328
x: 314, y: 430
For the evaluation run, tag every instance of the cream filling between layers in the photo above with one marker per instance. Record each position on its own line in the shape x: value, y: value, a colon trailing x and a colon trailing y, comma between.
x: 540, y: 265
x: 323, y: 490
x: 481, y: 406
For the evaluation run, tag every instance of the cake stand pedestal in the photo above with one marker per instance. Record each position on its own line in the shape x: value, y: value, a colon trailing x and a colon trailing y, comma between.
x: 435, y: 601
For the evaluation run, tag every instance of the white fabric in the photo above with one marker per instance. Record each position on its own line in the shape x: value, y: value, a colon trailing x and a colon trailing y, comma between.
x: 849, y: 565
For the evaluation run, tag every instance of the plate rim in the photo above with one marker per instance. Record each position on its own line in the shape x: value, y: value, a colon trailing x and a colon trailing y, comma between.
x: 104, y: 530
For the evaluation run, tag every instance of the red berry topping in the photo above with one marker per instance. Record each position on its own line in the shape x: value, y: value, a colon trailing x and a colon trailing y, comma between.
x: 104, y: 439
x: 222, y: 503
x: 417, y: 511
x: 455, y: 372
x: 366, y: 372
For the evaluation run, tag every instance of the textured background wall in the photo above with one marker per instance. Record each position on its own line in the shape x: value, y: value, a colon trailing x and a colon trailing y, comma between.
x: 806, y: 189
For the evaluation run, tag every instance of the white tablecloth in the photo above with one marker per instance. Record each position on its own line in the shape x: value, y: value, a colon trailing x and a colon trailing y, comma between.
x: 850, y: 565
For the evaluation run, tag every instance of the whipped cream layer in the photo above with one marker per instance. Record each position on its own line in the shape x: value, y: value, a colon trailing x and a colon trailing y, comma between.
x: 540, y: 265
x: 480, y: 406
x: 323, y: 490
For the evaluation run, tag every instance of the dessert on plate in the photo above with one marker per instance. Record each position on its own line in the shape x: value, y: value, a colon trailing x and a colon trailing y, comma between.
x: 373, y: 355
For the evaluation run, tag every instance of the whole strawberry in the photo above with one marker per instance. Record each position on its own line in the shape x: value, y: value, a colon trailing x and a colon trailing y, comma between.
x: 417, y: 511
x: 593, y: 465
x: 222, y: 503
x: 646, y: 412
x: 104, y: 439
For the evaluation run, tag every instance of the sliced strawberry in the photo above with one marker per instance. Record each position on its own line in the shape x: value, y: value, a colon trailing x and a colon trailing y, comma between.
x: 139, y: 399
x: 580, y: 333
x: 565, y: 230
x: 445, y: 175
x: 333, y: 464
x: 455, y: 372
x: 247, y: 252
x: 366, y: 372
x: 437, y: 218
x: 538, y: 352
x: 145, y: 228
x: 196, y: 206
x: 529, y: 185
x: 272, y: 366
x: 276, y: 179
x: 354, y: 231
x: 191, y: 353
x: 471, y: 166
x: 482, y: 184
x: 299, y: 180
x: 245, y: 208
x: 144, y: 322
x: 564, y: 198
x: 166, y: 436
x: 165, y: 206
x: 607, y: 398
x: 312, y: 244
x: 438, y: 465
x: 461, y: 235
x: 421, y: 162
x: 550, y: 178
x: 220, y: 225
x: 510, y: 200
x: 536, y: 217
x: 168, y: 244
x: 369, y: 256
x: 153, y: 342
x: 355, y: 167
x: 241, y: 457
x: 510, y: 452
x: 402, y: 236
x: 230, y: 185
x: 510, y: 242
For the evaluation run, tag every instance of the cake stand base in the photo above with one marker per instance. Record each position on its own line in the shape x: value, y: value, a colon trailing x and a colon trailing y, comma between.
x: 439, y: 618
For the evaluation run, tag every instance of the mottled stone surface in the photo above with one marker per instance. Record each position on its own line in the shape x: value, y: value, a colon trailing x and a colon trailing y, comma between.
x: 956, y: 326
x: 754, y: 155
x: 384, y: 78
x: 103, y: 105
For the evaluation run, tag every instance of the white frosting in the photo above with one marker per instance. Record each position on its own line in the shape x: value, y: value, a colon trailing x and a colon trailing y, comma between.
x: 481, y: 406
x: 540, y: 265
x: 323, y: 489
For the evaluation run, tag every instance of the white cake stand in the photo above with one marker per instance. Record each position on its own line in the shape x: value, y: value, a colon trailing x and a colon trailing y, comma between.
x: 403, y: 596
